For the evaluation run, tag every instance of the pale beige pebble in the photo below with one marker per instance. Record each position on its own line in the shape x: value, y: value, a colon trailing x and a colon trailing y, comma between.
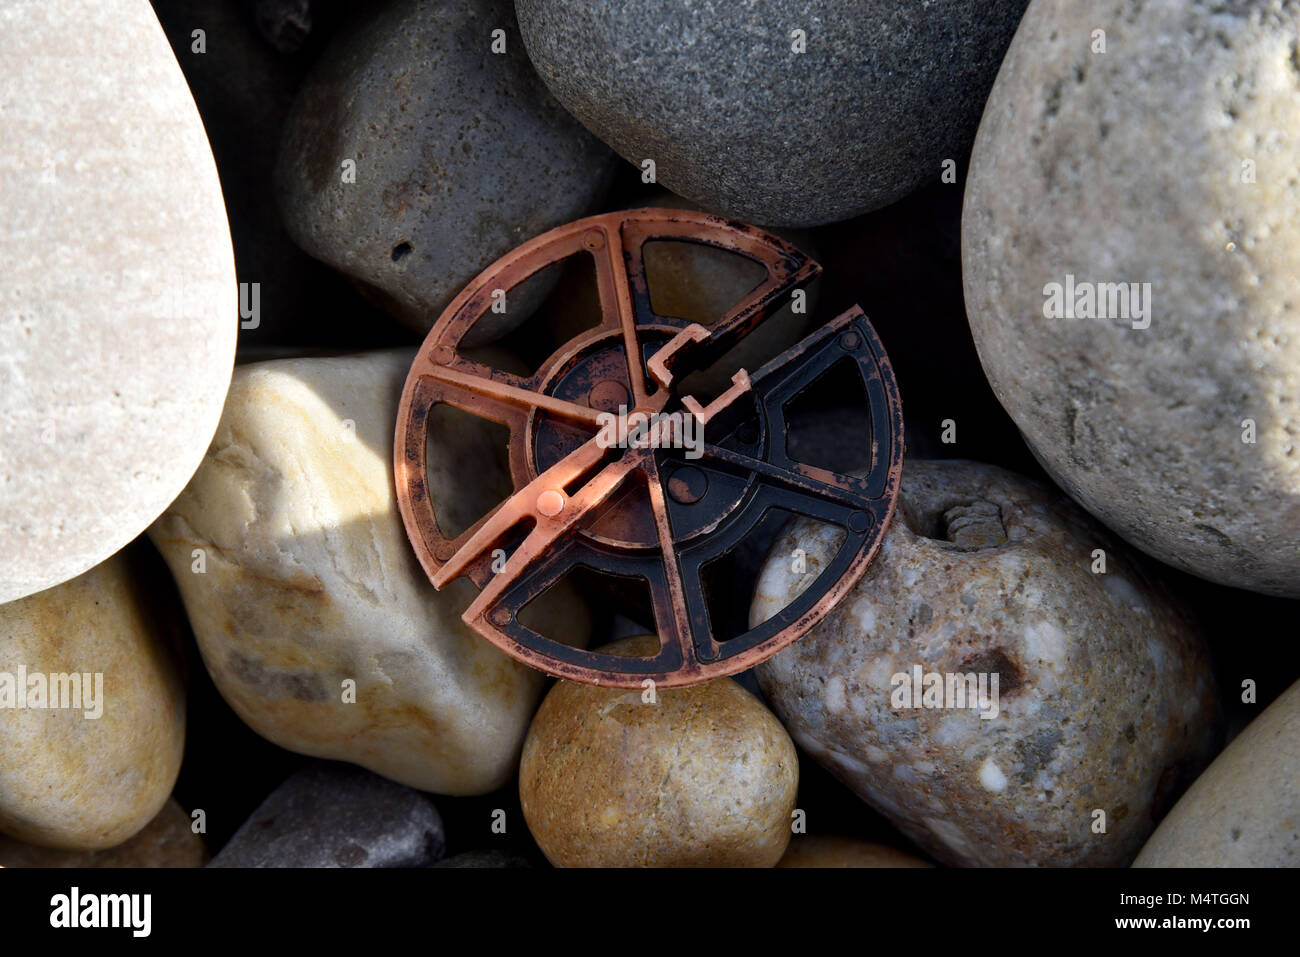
x: 68, y: 779
x: 166, y: 841
x: 704, y: 777
x: 1244, y: 810
x: 310, y: 580
x: 1169, y: 159
x: 119, y: 304
x: 1106, y: 701
x: 826, y: 850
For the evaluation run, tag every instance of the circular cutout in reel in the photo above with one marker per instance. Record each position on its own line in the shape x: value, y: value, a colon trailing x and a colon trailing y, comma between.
x: 618, y: 469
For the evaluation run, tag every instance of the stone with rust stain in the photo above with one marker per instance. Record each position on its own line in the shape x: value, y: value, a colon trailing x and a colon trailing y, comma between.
x: 705, y: 776
x: 1244, y: 811
x: 308, y: 580
x: 166, y: 841
x: 69, y: 779
x: 828, y: 850
x: 1106, y: 701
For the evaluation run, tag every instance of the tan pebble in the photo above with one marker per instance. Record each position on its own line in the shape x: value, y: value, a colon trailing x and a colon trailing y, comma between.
x: 72, y: 781
x: 704, y: 777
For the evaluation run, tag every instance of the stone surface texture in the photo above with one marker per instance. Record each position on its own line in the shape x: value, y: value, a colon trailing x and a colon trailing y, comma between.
x: 89, y: 778
x: 118, y: 312
x: 166, y: 841
x: 460, y: 155
x: 703, y: 777
x: 1105, y: 699
x: 311, y: 582
x: 1168, y: 160
x: 1244, y: 811
x: 333, y: 815
x: 736, y: 120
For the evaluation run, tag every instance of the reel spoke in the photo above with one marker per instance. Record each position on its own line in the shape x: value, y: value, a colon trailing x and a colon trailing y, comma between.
x: 669, y: 598
x: 612, y: 274
x: 508, y: 393
x: 810, y: 491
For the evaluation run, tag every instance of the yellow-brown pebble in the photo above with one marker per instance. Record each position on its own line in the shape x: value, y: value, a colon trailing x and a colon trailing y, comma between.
x: 167, y: 841
x: 704, y: 777
x: 825, y: 850
x: 91, y: 776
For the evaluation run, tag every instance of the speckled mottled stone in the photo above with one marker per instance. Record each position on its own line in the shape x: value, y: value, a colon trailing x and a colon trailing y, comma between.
x: 704, y: 777
x: 460, y: 155
x: 821, y: 850
x: 333, y: 815
x: 68, y: 780
x: 1105, y: 699
x: 1244, y: 811
x: 736, y: 120
x: 166, y: 841
x: 1131, y: 166
x: 310, y: 580
x: 118, y: 304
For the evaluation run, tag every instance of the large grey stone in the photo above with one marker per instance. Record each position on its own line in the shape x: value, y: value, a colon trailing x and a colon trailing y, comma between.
x: 460, y: 155
x: 737, y: 121
x: 1105, y: 699
x: 1168, y: 160
x: 332, y: 815
x: 118, y: 312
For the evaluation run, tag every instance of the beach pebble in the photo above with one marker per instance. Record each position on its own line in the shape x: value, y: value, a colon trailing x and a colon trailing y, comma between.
x: 333, y: 815
x: 775, y: 113
x: 416, y: 155
x: 1244, y: 811
x: 705, y: 776
x: 313, y: 616
x: 92, y: 710
x: 1105, y: 705
x: 118, y: 312
x: 1137, y: 318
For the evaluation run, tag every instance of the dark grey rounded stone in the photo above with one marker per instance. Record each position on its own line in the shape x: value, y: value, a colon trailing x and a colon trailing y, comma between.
x: 336, y: 815
x: 460, y: 155
x: 737, y: 121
